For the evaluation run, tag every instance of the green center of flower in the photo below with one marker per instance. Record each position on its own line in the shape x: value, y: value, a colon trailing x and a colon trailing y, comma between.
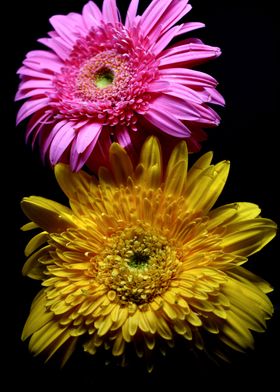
x: 138, y: 260
x: 104, y: 77
x: 137, y: 264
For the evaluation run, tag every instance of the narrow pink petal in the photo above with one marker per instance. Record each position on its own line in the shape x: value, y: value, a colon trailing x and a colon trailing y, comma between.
x: 53, y: 43
x: 166, y: 122
x: 78, y: 23
x: 38, y: 118
x: 86, y: 135
x: 190, y: 26
x: 158, y: 86
x: 152, y: 15
x: 189, y: 46
x: 61, y: 141
x: 43, y: 125
x: 131, y: 13
x: 64, y: 29
x: 77, y: 160
x: 42, y: 54
x: 100, y: 154
x: 41, y: 64
x: 195, y: 55
x: 181, y: 108
x: 192, y: 110
x: 123, y: 137
x: 35, y: 83
x: 92, y: 15
x: 186, y: 93
x: 24, y: 71
x: 176, y: 10
x: 47, y: 142
x: 37, y: 92
x: 208, y: 116
x: 215, y: 96
x: 187, y: 76
x: 165, y: 39
x: 110, y: 11
x: 31, y: 107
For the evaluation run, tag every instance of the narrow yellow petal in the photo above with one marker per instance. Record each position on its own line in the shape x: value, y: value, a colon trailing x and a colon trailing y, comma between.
x: 232, y: 213
x: 248, y: 237
x: 35, y: 243
x: 163, y: 329
x: 177, y: 181
x: 198, y: 167
x: 32, y: 267
x: 38, y: 317
x: 179, y: 153
x: 49, y: 215
x: 121, y: 164
x: 149, y: 169
x: 73, y: 184
x: 119, y: 345
x: 105, y: 326
x: 29, y: 226
x: 44, y: 337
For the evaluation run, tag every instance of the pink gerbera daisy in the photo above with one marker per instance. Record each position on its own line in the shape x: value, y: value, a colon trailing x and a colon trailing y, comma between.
x: 100, y: 78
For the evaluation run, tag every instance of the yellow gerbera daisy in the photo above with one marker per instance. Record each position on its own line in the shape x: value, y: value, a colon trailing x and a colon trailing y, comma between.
x: 140, y: 258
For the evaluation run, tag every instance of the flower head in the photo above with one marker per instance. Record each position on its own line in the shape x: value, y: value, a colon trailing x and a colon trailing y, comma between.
x: 141, y: 258
x: 99, y: 79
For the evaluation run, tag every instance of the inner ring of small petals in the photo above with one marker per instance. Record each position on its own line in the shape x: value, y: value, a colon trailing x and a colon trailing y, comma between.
x: 137, y: 265
x: 104, y: 76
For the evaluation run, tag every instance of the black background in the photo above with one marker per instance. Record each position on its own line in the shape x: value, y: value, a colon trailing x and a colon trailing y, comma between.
x: 248, y: 34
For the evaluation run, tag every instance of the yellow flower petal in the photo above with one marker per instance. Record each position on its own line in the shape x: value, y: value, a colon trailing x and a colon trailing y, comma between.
x: 121, y: 164
x: 47, y: 214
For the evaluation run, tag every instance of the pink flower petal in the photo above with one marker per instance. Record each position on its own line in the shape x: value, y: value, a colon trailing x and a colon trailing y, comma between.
x: 61, y: 141
x: 152, y: 15
x: 159, y: 86
x: 176, y: 10
x: 189, y: 54
x: 131, y: 13
x: 190, y: 26
x: 24, y: 71
x: 165, y: 39
x: 43, y: 54
x: 63, y: 28
x: 110, y: 11
x: 59, y: 48
x: 77, y: 22
x: 188, y: 77
x: 100, y: 154
x: 216, y: 97
x: 187, y: 47
x: 31, y: 107
x: 39, y: 64
x: 180, y: 108
x: 35, y: 83
x: 166, y: 122
x: 38, y: 118
x: 92, y: 15
x: 47, y: 142
x: 78, y: 160
x: 86, y: 135
x: 187, y: 94
x: 38, y: 92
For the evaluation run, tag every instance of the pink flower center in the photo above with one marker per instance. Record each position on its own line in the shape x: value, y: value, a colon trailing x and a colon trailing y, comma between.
x: 106, y: 77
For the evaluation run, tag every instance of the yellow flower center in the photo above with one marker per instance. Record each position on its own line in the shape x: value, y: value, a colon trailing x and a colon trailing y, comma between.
x: 137, y: 264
